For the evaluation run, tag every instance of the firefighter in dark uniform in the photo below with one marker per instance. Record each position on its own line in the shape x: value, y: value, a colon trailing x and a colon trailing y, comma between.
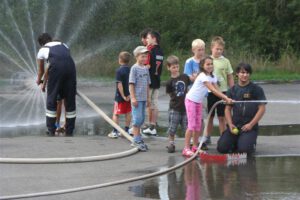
x: 61, y: 81
x: 242, y: 116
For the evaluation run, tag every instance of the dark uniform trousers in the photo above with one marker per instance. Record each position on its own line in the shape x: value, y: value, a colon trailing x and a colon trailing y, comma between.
x: 61, y: 81
x: 244, y: 142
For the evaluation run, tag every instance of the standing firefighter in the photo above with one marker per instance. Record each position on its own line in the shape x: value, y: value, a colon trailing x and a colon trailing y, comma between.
x: 61, y: 80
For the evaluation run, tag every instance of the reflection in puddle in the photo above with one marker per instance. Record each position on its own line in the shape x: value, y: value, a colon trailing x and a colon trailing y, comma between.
x: 261, y: 178
x: 83, y: 126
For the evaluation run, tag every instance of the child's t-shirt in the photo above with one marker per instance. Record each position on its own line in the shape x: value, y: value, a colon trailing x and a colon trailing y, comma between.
x: 222, y: 68
x: 155, y: 60
x: 191, y: 67
x: 199, y: 91
x: 139, y: 76
x: 122, y: 76
x: 177, y: 89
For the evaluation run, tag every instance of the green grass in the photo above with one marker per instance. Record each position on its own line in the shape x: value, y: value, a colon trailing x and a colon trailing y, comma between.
x: 275, y: 76
x: 265, y: 75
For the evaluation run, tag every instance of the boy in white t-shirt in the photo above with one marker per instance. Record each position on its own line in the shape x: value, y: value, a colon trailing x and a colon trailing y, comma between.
x: 193, y: 103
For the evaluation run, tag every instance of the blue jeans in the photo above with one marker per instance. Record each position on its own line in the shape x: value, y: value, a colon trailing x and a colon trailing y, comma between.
x: 138, y: 114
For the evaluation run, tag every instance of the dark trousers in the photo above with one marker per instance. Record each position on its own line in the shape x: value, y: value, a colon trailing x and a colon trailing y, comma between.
x: 61, y: 81
x: 244, y: 142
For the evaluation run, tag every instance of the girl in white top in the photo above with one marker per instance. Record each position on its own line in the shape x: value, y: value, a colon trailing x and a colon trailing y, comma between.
x: 193, y: 102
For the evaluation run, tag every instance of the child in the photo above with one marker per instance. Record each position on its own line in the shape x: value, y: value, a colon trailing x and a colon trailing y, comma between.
x: 122, y: 104
x: 191, y: 67
x: 59, y: 129
x: 143, y: 36
x: 223, y: 72
x: 193, y: 103
x: 176, y: 87
x: 139, y: 81
x: 244, y: 116
x: 155, y: 63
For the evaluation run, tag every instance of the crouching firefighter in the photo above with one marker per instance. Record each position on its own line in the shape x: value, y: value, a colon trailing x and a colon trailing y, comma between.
x: 61, y: 80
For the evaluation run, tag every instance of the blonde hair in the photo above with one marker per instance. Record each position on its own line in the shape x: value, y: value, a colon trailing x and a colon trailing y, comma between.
x: 217, y: 40
x: 124, y: 56
x: 172, y: 60
x: 198, y: 43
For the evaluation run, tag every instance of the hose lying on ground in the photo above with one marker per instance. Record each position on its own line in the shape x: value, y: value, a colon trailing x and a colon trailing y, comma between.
x: 68, y: 160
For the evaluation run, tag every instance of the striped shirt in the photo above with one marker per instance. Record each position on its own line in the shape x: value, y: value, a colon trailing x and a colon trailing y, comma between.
x: 139, y: 76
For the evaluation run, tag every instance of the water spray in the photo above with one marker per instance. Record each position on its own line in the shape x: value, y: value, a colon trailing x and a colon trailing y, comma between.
x: 19, y: 32
x: 17, y: 52
x: 63, y: 12
x: 45, y: 16
x: 31, y: 30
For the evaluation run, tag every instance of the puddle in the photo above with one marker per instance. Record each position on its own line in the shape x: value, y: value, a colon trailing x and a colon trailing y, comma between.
x: 272, y: 130
x: 97, y: 126
x: 260, y: 178
x: 83, y: 126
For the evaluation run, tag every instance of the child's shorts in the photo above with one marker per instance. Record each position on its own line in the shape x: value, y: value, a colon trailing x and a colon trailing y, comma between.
x: 211, y: 100
x: 122, y: 108
x: 176, y: 118
x: 138, y: 114
x: 194, y: 115
x: 153, y: 98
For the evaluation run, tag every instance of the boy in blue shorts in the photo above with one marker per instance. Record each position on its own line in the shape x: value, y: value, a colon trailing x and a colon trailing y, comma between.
x: 122, y: 104
x: 139, y: 81
x: 176, y: 87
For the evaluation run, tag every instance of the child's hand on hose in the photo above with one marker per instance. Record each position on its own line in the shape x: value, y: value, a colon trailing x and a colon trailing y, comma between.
x: 228, y: 100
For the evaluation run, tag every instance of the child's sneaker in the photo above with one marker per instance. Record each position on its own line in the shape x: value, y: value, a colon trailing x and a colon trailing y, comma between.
x: 145, y: 126
x: 140, y: 145
x: 208, y: 140
x: 204, y: 147
x: 187, y: 152
x: 194, y: 149
x: 113, y: 135
x: 150, y: 131
x: 130, y: 131
x: 171, y: 148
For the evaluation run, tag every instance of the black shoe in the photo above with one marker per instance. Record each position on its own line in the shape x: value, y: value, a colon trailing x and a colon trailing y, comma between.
x: 208, y: 141
x: 204, y: 147
x: 171, y: 148
x: 50, y: 134
x: 69, y: 135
